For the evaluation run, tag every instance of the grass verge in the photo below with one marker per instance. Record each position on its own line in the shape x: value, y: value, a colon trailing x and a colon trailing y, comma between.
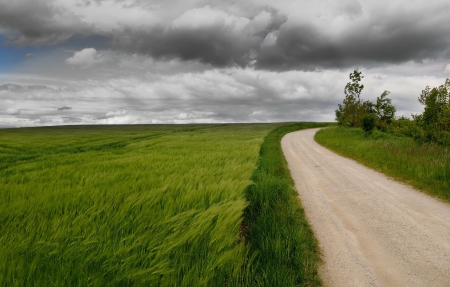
x: 426, y: 166
x: 283, y: 249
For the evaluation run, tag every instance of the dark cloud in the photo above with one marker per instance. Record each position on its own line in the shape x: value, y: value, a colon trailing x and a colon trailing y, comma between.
x: 208, y: 45
x: 216, y: 44
x: 302, y: 48
x: 230, y: 33
x: 23, y: 88
x: 397, y: 41
x: 38, y: 23
x: 393, y: 41
x: 219, y: 42
x: 64, y: 108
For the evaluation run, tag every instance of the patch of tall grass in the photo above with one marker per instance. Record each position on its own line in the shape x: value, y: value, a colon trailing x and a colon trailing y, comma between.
x: 146, y: 206
x: 283, y: 249
x: 424, y: 166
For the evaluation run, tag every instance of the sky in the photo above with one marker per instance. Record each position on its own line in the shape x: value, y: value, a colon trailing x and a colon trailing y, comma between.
x: 65, y: 62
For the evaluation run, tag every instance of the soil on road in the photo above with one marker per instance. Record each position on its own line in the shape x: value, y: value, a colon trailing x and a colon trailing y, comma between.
x: 372, y: 230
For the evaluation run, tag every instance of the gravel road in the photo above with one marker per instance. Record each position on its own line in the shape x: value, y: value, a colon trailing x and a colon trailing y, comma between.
x: 372, y: 230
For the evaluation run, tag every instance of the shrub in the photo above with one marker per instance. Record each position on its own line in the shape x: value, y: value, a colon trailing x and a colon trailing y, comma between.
x: 369, y: 122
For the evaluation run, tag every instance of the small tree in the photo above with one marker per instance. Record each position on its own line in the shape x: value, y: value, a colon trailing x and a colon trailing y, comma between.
x: 429, y: 98
x: 385, y: 110
x: 351, y: 110
x: 436, y: 115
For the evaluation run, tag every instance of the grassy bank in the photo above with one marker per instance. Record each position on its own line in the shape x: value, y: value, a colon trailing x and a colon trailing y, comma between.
x: 424, y: 166
x: 283, y: 249
x: 125, y: 205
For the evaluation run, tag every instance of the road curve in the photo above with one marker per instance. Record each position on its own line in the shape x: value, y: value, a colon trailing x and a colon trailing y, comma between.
x: 372, y: 231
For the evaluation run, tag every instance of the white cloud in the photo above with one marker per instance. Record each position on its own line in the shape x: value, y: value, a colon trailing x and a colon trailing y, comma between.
x: 86, y: 58
x: 270, y: 39
x: 447, y: 69
x: 120, y: 120
x: 208, y: 17
x: 109, y: 15
x: 116, y: 113
x: 12, y: 111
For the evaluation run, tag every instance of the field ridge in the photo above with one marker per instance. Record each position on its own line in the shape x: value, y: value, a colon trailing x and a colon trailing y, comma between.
x: 283, y: 249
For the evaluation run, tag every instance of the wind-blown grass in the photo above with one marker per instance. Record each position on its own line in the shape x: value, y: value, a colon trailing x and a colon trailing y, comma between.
x: 125, y: 205
x: 152, y: 206
x: 283, y: 249
x: 424, y: 166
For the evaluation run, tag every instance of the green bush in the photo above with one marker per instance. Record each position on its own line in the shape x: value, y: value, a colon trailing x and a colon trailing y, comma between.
x: 408, y: 128
x: 369, y: 122
x: 444, y: 138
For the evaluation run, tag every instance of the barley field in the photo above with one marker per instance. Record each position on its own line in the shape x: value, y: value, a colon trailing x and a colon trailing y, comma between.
x: 144, y: 205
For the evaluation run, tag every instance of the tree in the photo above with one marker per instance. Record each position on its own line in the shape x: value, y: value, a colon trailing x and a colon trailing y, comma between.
x: 353, y: 88
x: 351, y: 111
x: 437, y: 108
x: 384, y: 110
x: 429, y: 98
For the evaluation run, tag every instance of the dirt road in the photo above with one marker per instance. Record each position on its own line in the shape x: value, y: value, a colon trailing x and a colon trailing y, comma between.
x: 373, y: 231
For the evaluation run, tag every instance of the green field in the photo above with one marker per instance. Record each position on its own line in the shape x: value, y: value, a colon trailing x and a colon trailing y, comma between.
x: 124, y: 205
x: 424, y: 166
x: 151, y: 205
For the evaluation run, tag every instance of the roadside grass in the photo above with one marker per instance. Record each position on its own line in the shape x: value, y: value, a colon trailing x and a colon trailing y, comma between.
x: 424, y: 166
x: 146, y: 206
x: 283, y: 249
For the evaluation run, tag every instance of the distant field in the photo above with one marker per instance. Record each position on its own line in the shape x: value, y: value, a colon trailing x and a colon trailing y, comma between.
x: 125, y: 205
x: 424, y: 166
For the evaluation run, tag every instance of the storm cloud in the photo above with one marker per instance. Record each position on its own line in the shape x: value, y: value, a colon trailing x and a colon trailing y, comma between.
x: 250, y: 35
x: 367, y: 40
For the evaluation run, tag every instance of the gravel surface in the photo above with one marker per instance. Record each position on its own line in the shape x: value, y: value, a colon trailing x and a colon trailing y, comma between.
x: 372, y: 230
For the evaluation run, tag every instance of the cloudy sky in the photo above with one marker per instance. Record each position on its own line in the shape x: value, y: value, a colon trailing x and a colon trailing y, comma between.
x: 188, y: 61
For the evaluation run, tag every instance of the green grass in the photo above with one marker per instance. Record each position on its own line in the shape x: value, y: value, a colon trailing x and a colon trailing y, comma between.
x: 125, y: 205
x: 283, y: 248
x: 426, y: 166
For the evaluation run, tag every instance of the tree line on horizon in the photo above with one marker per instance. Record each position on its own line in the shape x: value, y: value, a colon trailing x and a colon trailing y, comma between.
x: 433, y: 125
